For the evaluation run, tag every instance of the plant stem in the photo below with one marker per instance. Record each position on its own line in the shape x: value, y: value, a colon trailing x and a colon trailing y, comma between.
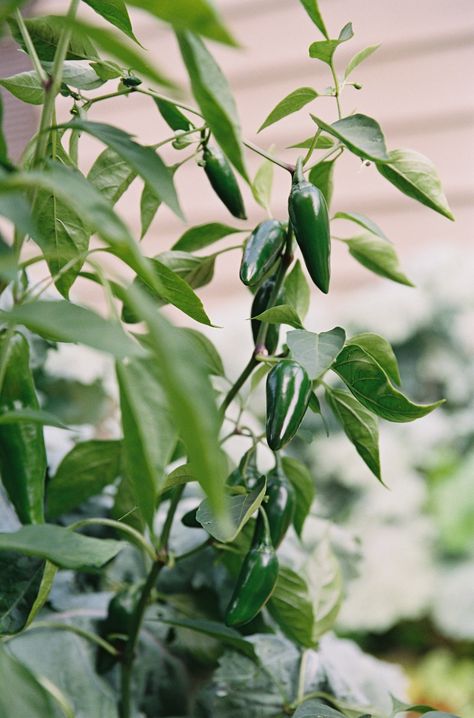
x: 312, y: 146
x: 88, y: 635
x: 238, y: 384
x: 40, y: 71
x: 338, y: 148
x: 268, y: 156
x: 302, y: 671
x: 119, y: 527
x: 108, y: 96
x: 337, y: 90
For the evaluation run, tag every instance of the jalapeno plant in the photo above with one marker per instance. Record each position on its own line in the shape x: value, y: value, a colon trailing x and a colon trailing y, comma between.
x: 107, y: 518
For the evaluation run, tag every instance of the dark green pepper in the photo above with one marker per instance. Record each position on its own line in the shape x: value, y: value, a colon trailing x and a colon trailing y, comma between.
x: 309, y: 216
x: 189, y: 519
x: 22, y: 450
x: 259, y: 304
x: 288, y: 394
x: 131, y: 81
x: 261, y: 251
x: 280, y: 505
x: 118, y: 625
x: 257, y: 577
x: 223, y: 181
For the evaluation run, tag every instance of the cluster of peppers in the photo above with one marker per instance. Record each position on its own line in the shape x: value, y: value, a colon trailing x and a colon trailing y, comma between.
x: 288, y: 388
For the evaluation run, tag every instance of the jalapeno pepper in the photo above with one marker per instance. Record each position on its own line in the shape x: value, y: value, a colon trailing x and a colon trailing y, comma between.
x: 118, y: 625
x: 261, y: 251
x: 257, y: 577
x: 223, y: 181
x: 22, y: 450
x: 280, y: 505
x: 309, y: 217
x: 288, y: 395
x: 259, y: 304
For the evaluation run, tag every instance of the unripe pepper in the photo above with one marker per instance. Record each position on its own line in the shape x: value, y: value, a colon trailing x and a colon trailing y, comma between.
x: 118, y: 625
x: 257, y: 577
x: 223, y: 181
x: 22, y: 450
x: 261, y: 251
x: 309, y: 216
x: 280, y: 505
x: 288, y: 395
x: 259, y: 304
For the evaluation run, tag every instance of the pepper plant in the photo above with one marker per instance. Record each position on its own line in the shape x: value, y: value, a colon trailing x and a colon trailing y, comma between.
x: 231, y: 588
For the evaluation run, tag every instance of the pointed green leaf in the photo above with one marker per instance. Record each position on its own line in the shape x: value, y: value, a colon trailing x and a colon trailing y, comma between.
x: 297, y: 292
x: 324, y: 49
x: 143, y: 160
x: 291, y: 607
x: 359, y: 425
x: 111, y: 175
x: 149, y: 432
x: 115, y: 12
x: 25, y: 695
x: 262, y: 184
x: 241, y: 508
x: 224, y: 634
x: 79, y: 74
x: 280, y: 314
x: 45, y: 32
x: 326, y: 588
x: 149, y: 205
x: 317, y: 709
x: 316, y: 352
x: 362, y: 135
x: 415, y: 175
x: 370, y: 385
x: 83, y: 472
x: 66, y: 322
x: 362, y: 221
x: 379, y: 256
x: 61, y: 546
x: 321, y: 175
x: 203, y: 235
x: 200, y: 344
x: 358, y: 58
x: 25, y: 86
x: 214, y: 97
x: 322, y: 143
x: 302, y: 481
x: 312, y: 8
x: 380, y: 350
x: 20, y: 579
x: 196, y: 271
x: 291, y: 103
x: 172, y: 115
x: 33, y: 416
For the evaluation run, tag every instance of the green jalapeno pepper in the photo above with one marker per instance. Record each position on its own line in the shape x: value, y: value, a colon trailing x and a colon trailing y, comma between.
x: 118, y: 625
x: 280, y: 505
x: 22, y: 450
x: 259, y: 304
x: 257, y: 577
x: 223, y: 181
x: 288, y: 395
x: 261, y: 251
x: 309, y: 216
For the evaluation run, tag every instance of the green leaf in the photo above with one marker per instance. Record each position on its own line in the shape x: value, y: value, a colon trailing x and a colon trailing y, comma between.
x: 377, y: 255
x: 362, y: 221
x: 241, y: 508
x: 203, y: 235
x: 66, y: 322
x: 362, y: 135
x: 201, y: 345
x: 191, y: 399
x: 108, y: 41
x: 358, y: 58
x: 79, y: 74
x: 7, y: 8
x: 380, y: 350
x: 63, y: 238
x: 25, y: 86
x: 291, y: 103
x: 173, y: 289
x: 262, y: 184
x: 149, y: 432
x: 196, y: 271
x: 143, y: 160
x: 111, y: 175
x: 316, y: 709
x: 20, y: 579
x: 359, y: 425
x: 149, y: 205
x: 181, y: 475
x: 45, y: 32
x: 415, y: 175
x: 25, y: 696
x: 312, y: 8
x: 115, y: 12
x: 321, y: 175
x: 61, y: 546
x: 326, y: 587
x: 322, y: 143
x: 32, y: 416
x: 281, y: 314
x: 172, y: 115
x: 198, y: 16
x: 316, y: 352
x: 370, y: 385
x: 224, y: 634
x: 324, y: 49
x: 291, y: 607
x: 302, y: 481
x: 297, y: 292
x: 213, y: 95
x: 83, y: 472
